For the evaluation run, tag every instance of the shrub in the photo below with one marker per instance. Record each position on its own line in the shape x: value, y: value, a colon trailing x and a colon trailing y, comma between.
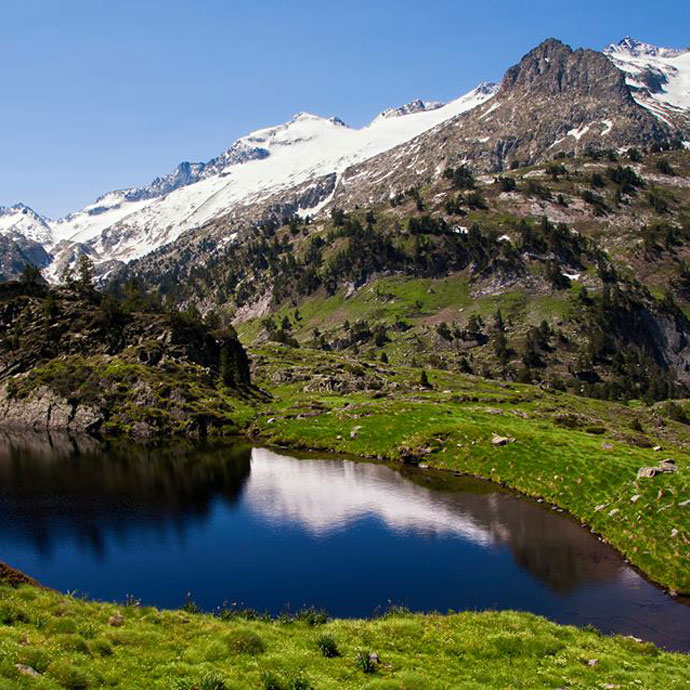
x: 72, y: 643
x: 328, y: 646
x: 636, y: 425
x: 9, y: 615
x: 190, y: 606
x: 664, y: 167
x: 38, y: 659
x: 242, y: 641
x: 677, y: 413
x: 300, y: 682
x: 69, y: 676
x: 312, y: 616
x: 271, y: 681
x: 364, y: 662
x: 534, y: 188
x: 208, y: 681
x: 507, y: 184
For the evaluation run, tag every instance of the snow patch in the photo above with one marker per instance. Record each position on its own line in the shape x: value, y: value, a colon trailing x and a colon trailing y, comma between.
x: 579, y: 132
x: 658, y: 77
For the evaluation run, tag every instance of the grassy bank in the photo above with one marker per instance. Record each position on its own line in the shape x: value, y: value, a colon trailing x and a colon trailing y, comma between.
x: 52, y: 641
x: 580, y: 454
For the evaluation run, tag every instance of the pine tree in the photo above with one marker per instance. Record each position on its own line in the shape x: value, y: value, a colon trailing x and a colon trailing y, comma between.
x: 85, y: 273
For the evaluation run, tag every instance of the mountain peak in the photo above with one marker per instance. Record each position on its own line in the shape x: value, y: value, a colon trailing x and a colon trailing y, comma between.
x: 415, y: 106
x: 304, y: 116
x: 553, y: 67
x: 635, y: 48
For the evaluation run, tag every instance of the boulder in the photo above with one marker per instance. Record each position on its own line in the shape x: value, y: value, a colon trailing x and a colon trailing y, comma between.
x: 648, y: 472
x: 27, y: 670
x: 116, y: 620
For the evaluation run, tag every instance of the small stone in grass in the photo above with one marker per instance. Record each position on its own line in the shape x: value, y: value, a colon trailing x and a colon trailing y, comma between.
x: 27, y: 670
x: 116, y: 620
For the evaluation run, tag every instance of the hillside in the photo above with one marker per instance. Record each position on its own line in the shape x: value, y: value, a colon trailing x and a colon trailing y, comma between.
x: 74, y: 359
x: 78, y: 644
x: 570, y: 272
x: 555, y: 99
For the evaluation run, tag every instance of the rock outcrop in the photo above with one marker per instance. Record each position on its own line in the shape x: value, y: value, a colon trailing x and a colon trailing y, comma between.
x: 76, y: 360
x: 555, y: 99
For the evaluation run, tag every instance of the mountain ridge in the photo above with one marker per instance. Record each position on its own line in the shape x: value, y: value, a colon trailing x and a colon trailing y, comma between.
x: 127, y: 224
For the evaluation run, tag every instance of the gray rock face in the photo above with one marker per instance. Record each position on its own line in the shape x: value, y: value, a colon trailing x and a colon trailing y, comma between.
x: 46, y: 410
x: 555, y: 99
x: 16, y: 252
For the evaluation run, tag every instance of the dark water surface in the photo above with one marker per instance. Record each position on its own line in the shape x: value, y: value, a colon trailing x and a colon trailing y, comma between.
x: 250, y: 527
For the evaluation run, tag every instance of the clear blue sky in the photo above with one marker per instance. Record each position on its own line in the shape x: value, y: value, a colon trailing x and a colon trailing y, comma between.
x: 103, y: 94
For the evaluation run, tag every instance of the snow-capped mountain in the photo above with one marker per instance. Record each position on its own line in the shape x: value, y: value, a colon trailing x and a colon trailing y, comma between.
x: 309, y: 159
x: 658, y: 77
x: 127, y: 224
x: 21, y: 220
x: 416, y: 106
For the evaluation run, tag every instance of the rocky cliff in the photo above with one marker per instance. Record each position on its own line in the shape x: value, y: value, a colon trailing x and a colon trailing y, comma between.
x: 75, y: 359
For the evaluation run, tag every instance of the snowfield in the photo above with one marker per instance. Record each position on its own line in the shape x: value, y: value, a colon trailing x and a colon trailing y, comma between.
x: 127, y: 224
x: 659, y: 77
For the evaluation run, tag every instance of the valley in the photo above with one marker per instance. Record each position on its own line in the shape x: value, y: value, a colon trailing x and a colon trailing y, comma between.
x: 453, y: 345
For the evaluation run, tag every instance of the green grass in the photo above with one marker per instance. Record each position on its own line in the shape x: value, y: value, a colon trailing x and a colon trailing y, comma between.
x: 169, y: 397
x: 76, y: 644
x: 580, y: 454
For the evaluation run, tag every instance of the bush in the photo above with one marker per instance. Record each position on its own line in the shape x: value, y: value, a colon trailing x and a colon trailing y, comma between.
x: 328, y: 646
x: 72, y: 643
x: 664, y: 167
x: 38, y: 659
x: 208, y: 681
x: 677, y: 413
x: 242, y: 641
x: 271, y: 681
x: 300, y: 682
x: 364, y: 662
x: 69, y: 676
x: 312, y: 616
x: 9, y: 615
x: 636, y: 425
x: 462, y: 177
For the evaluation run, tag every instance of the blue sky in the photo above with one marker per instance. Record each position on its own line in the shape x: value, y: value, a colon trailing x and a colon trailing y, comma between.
x: 99, y: 95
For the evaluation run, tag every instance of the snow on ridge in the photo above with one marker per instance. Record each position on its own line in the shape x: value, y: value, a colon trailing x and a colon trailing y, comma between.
x: 659, y: 78
x: 635, y: 48
x: 415, y: 106
x: 22, y: 220
x: 125, y: 226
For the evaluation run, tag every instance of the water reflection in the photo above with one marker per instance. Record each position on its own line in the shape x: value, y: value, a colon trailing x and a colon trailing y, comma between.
x: 328, y: 496
x: 232, y: 523
x: 56, y: 485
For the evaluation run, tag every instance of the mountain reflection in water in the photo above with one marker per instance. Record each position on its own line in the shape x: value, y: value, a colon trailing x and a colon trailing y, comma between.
x: 239, y: 524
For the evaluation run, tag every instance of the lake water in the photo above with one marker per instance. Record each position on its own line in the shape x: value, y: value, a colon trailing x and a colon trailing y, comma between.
x: 252, y: 527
